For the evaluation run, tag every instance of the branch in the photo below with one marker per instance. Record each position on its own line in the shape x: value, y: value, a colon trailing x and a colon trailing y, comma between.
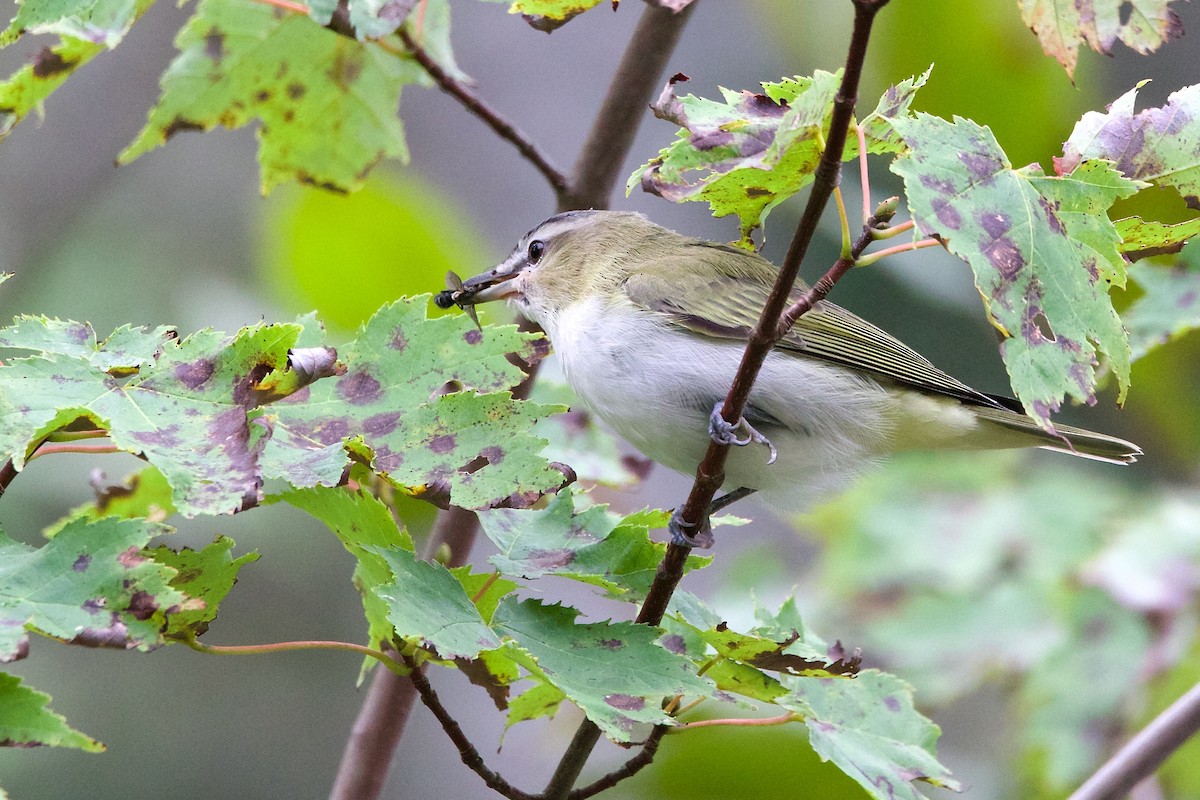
x: 710, y: 474
x: 627, y: 770
x: 7, y: 473
x: 629, y: 95
x: 490, y: 117
x: 470, y: 756
x: 1145, y: 752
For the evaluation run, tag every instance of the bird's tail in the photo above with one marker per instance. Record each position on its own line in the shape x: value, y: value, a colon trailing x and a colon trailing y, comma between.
x: 1076, y: 441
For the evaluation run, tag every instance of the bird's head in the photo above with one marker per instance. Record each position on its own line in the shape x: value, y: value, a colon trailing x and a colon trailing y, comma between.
x: 568, y: 258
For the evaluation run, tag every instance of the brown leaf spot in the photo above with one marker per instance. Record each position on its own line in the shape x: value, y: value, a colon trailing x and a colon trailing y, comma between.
x: 674, y: 643
x: 262, y: 96
x: 81, y: 563
x: 711, y: 139
x: 551, y: 559
x: 347, y: 67
x: 625, y: 702
x: 296, y: 90
x: 442, y: 444
x: 359, y: 388
x: 1004, y: 257
x: 399, y: 341
x: 610, y: 644
x: 131, y: 558
x: 47, y: 63
x: 1035, y: 327
x: 214, y: 44
x: 995, y: 224
x: 180, y: 124
x: 758, y: 191
x: 1049, y: 208
x: 493, y: 454
x: 194, y: 373
x: 381, y: 424
x: 946, y: 214
x: 142, y: 605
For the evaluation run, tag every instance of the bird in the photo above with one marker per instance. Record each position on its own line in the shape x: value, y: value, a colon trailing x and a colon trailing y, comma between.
x: 650, y: 325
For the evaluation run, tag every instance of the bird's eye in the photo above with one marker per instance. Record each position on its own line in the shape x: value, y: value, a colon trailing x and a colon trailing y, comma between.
x: 536, y: 249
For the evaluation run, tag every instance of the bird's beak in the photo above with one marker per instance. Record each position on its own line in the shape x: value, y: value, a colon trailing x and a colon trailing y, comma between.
x: 495, y: 284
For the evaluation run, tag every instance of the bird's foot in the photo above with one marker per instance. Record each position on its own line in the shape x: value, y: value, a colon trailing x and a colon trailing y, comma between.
x: 723, y: 432
x: 690, y: 534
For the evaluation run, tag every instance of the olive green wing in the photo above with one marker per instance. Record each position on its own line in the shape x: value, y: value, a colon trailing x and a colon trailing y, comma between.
x: 731, y: 305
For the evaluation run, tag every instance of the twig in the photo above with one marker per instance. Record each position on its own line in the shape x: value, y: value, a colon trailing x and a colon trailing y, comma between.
x: 466, y: 751
x: 900, y: 248
x: 710, y: 474
x: 632, y: 88
x: 627, y: 770
x: 1145, y: 752
x: 7, y: 473
x: 490, y: 117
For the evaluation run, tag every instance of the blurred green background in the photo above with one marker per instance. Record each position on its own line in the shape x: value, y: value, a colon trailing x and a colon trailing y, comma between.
x: 182, y: 236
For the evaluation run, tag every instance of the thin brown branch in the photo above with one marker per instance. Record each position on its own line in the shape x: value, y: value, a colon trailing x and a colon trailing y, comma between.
x: 627, y: 770
x: 490, y: 117
x: 710, y: 474
x: 7, y: 473
x: 466, y: 751
x: 1145, y: 752
x: 629, y: 94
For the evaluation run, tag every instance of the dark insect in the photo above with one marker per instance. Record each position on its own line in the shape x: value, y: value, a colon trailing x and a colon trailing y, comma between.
x: 450, y: 297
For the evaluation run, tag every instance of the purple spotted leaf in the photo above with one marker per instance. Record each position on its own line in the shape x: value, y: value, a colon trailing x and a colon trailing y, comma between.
x: 327, y: 103
x: 91, y: 584
x: 477, y: 442
x: 26, y: 720
x: 1158, y: 145
x: 1042, y: 249
x: 750, y: 151
x: 592, y: 546
x: 206, y: 575
x: 1169, y: 306
x: 125, y: 349
x: 1061, y: 28
x: 868, y: 727
x: 616, y: 672
x: 550, y: 15
x: 186, y: 413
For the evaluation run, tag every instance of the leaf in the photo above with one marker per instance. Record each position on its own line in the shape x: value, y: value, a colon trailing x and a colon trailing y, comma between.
x: 25, y: 90
x: 126, y: 348
x: 1157, y: 145
x: 592, y: 546
x: 327, y: 103
x: 426, y: 602
x: 1042, y: 251
x: 753, y: 151
x: 614, y: 671
x: 90, y: 585
x: 869, y: 728
x: 1142, y: 238
x: 1062, y: 27
x: 26, y: 721
x: 207, y: 575
x: 1168, y: 308
x: 541, y: 700
x: 388, y: 395
x: 103, y: 22
x: 187, y: 413
x: 145, y: 494
x: 550, y: 15
x: 362, y: 523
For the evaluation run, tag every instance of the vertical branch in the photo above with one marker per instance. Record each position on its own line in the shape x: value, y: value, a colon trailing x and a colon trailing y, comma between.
x: 388, y: 704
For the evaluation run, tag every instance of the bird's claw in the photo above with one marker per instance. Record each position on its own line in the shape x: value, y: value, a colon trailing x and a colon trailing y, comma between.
x: 682, y: 537
x: 723, y: 432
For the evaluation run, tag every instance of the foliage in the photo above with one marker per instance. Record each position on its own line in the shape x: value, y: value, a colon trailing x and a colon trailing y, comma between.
x: 1066, y: 581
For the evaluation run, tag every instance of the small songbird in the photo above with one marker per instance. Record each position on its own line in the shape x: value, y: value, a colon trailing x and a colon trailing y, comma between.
x: 650, y: 326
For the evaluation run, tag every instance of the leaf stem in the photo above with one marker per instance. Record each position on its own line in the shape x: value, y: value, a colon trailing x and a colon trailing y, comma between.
x: 283, y: 647
x: 896, y: 230
x: 490, y: 117
x: 72, y: 447
x: 1145, y: 752
x: 749, y: 722
x: 866, y: 261
x: 863, y: 176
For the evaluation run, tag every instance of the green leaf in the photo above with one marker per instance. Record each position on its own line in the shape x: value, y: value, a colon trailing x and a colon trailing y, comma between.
x: 869, y: 728
x: 207, y: 575
x: 25, y: 90
x: 25, y: 720
x: 426, y: 602
x: 1141, y: 238
x: 90, y: 585
x: 1168, y: 308
x: 103, y: 22
x: 753, y: 151
x: 614, y: 671
x: 327, y: 102
x: 1042, y: 251
x: 591, y: 546
x: 1062, y: 27
x: 1157, y: 145
x: 541, y: 700
x: 145, y: 494
x: 398, y: 362
x: 187, y: 413
x: 126, y: 348
x: 362, y: 523
x: 549, y: 15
